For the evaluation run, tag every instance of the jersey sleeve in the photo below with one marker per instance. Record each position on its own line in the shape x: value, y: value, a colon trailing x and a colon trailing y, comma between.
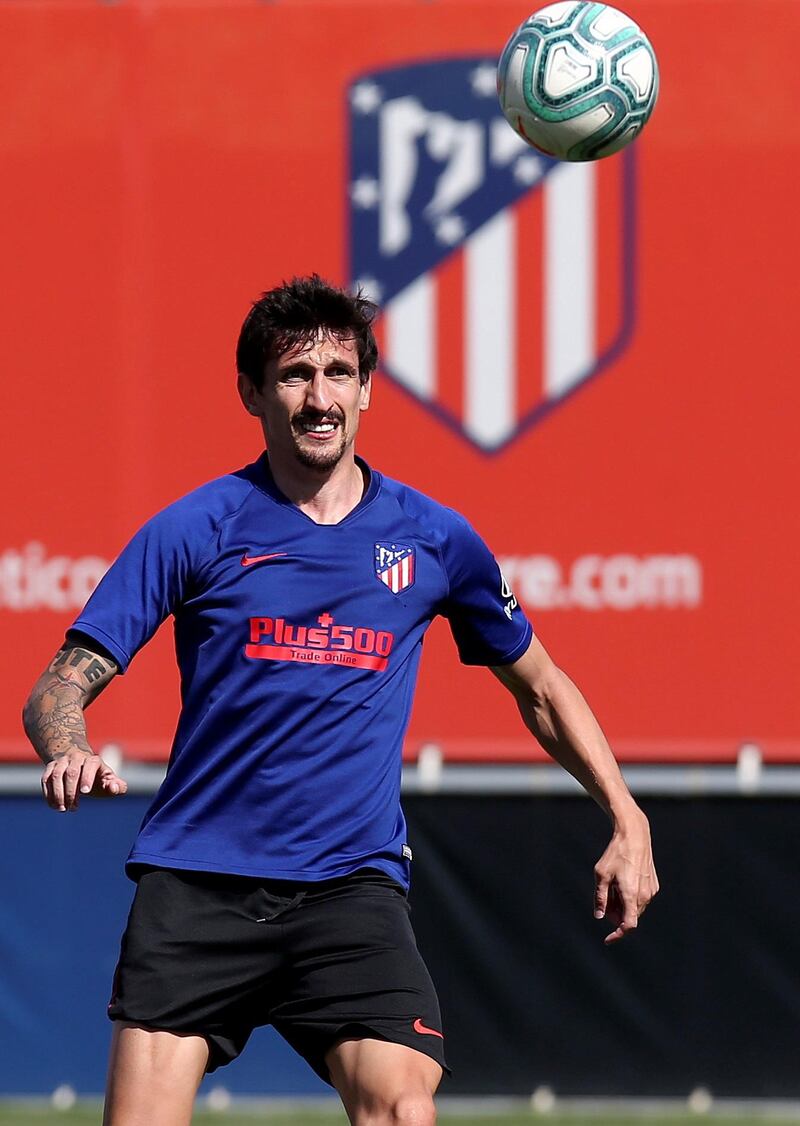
x: 488, y: 625
x: 145, y: 584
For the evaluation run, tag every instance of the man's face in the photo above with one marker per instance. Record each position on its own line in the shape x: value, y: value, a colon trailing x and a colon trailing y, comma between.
x: 310, y: 401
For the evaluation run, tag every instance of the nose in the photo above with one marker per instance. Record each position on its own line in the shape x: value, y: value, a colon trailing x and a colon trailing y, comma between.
x: 318, y: 392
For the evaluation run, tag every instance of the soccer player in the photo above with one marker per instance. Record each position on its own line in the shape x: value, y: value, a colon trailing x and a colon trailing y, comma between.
x: 272, y: 866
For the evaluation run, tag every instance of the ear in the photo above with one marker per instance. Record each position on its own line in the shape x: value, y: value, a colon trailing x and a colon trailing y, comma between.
x: 365, y: 394
x: 249, y: 395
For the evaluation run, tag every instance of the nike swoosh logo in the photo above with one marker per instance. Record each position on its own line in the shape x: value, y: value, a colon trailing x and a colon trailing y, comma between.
x: 248, y: 560
x: 420, y: 1027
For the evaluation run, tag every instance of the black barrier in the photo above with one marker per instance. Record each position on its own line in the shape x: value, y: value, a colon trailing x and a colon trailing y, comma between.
x: 706, y: 993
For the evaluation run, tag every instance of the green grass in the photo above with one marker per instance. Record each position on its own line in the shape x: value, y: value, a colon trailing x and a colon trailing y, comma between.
x: 90, y: 1115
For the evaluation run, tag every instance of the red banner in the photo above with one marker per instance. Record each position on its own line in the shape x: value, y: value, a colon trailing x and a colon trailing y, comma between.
x: 163, y: 164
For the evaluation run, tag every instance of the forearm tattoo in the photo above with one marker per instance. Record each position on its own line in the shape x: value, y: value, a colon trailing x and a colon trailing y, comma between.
x: 53, y: 716
x: 74, y: 658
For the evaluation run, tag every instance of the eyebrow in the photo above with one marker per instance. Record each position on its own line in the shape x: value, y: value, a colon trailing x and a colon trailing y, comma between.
x: 305, y: 365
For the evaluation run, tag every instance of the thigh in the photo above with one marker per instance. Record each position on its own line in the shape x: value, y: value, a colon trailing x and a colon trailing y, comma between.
x: 356, y: 974
x: 153, y: 1077
x: 379, y: 1081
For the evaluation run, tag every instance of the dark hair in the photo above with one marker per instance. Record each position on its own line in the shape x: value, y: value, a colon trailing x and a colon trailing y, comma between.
x: 293, y: 313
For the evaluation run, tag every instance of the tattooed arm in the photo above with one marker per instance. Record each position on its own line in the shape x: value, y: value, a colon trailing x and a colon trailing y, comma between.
x: 54, y: 723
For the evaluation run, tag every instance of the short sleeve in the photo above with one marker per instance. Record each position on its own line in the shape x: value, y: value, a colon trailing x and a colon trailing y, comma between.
x: 488, y: 624
x: 141, y: 588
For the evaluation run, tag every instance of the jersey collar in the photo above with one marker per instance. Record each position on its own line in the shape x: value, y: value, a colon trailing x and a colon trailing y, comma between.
x: 266, y: 482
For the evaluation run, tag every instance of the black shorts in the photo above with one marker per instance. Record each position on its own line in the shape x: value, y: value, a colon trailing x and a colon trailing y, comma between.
x: 218, y: 955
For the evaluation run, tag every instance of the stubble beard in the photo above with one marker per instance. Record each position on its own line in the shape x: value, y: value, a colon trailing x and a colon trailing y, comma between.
x: 325, y: 456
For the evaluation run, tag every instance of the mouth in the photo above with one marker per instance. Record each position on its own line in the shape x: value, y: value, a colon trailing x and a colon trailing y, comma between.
x: 319, y: 430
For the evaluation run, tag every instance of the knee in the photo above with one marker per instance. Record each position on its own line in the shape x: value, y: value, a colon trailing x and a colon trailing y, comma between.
x: 406, y: 1110
x: 413, y: 1110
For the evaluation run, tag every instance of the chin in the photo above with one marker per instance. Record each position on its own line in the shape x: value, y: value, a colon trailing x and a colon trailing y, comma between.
x: 320, y: 459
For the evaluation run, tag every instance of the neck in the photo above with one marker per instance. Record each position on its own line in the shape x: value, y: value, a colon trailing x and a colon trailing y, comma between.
x: 326, y: 495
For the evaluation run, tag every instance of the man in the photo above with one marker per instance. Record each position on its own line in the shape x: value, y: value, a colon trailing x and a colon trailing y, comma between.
x: 272, y: 866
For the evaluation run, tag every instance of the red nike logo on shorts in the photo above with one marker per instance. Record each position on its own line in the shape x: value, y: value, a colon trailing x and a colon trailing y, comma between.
x: 247, y: 560
x: 420, y: 1027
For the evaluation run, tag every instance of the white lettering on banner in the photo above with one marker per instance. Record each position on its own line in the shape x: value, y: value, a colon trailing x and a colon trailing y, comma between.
x: 613, y: 582
x: 32, y: 580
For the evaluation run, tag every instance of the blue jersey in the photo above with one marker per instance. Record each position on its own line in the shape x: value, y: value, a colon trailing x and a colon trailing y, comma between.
x: 298, y: 645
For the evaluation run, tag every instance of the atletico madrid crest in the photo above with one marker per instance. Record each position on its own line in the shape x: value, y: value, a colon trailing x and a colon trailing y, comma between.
x: 394, y: 565
x: 505, y: 277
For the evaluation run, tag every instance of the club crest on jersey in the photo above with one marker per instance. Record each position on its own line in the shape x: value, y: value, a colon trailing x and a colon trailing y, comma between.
x: 505, y: 277
x: 395, y: 564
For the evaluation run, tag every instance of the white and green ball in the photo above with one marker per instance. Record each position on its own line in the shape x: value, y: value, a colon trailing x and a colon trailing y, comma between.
x: 578, y: 80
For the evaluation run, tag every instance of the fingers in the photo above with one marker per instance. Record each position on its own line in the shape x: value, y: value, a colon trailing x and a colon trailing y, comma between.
x: 602, y: 883
x: 608, y: 897
x: 624, y: 909
x: 625, y: 879
x: 110, y: 784
x: 60, y: 780
x: 52, y: 788
x: 75, y: 773
x: 622, y: 912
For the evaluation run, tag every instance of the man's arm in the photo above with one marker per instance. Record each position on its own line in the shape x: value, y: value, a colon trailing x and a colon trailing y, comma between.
x: 557, y: 714
x: 54, y: 723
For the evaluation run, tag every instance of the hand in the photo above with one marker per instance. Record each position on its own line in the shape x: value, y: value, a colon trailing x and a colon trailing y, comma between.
x: 625, y: 878
x: 77, y: 772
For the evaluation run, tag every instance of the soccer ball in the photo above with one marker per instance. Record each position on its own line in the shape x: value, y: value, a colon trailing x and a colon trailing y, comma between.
x: 578, y: 80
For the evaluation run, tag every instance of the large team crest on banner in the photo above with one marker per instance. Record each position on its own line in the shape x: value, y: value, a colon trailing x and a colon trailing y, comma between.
x: 505, y: 277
